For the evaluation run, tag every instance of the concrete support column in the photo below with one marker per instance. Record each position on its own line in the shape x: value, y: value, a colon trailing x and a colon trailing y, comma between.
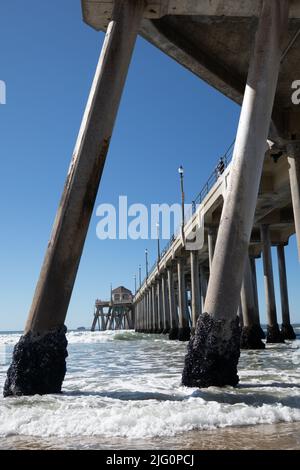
x: 240, y: 313
x: 273, y: 332
x: 214, y: 351
x: 195, y: 289
x: 203, y: 285
x: 150, y: 311
x: 138, y: 322
x: 293, y: 151
x: 159, y: 307
x: 39, y: 361
x: 143, y: 314
x: 165, y: 303
x: 286, y: 329
x: 251, y: 335
x: 154, y: 309
x: 172, y: 305
x: 255, y: 292
x: 211, y: 239
x: 184, y: 328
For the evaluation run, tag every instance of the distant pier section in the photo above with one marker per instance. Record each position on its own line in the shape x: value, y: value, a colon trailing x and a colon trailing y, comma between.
x: 116, y: 313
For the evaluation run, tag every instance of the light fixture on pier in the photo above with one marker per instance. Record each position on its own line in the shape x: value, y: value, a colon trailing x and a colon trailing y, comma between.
x: 146, y: 255
x: 158, y: 242
x: 181, y: 173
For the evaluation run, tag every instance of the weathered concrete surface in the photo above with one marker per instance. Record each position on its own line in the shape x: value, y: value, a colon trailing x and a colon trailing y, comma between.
x: 237, y: 218
x: 210, y: 361
x: 58, y: 273
x: 38, y: 365
x: 62, y: 258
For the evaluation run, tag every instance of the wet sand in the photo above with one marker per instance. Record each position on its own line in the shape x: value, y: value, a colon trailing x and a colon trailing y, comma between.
x: 282, y: 436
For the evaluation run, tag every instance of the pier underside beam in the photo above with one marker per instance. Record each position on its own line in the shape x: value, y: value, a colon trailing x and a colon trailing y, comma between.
x: 214, y: 350
x: 38, y: 364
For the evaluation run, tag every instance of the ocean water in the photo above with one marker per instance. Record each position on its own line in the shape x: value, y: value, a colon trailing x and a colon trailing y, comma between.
x: 122, y: 390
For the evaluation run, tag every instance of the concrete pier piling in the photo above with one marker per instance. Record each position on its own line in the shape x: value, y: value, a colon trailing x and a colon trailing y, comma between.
x: 211, y: 241
x: 165, y: 305
x: 255, y: 292
x: 159, y: 306
x: 195, y: 289
x: 286, y: 328
x: 173, y: 334
x: 203, y: 285
x: 273, y: 333
x: 214, y: 350
x: 251, y: 330
x: 183, y: 324
x: 38, y: 364
x: 293, y: 151
x: 154, y: 310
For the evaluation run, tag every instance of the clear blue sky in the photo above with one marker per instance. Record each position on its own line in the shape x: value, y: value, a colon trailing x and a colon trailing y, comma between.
x: 167, y: 117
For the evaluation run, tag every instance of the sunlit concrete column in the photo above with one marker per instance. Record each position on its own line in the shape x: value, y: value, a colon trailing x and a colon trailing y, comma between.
x: 293, y: 151
x: 173, y: 334
x: 255, y: 292
x: 165, y: 303
x: 195, y: 289
x: 184, y: 328
x: 251, y: 335
x: 211, y: 240
x: 214, y: 351
x: 273, y: 333
x: 286, y: 329
x: 159, y: 306
x: 39, y: 360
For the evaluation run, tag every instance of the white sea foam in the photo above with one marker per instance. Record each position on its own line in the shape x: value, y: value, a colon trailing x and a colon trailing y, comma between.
x: 128, y: 385
x: 88, y: 337
x: 91, y: 417
x: 9, y: 338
